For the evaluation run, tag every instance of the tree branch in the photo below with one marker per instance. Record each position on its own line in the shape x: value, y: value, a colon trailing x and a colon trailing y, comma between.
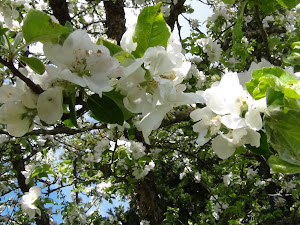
x: 34, y: 87
x: 115, y: 19
x: 60, y: 10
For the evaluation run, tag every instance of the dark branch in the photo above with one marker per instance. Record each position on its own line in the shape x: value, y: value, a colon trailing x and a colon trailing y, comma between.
x: 175, y: 11
x: 60, y: 10
x: 34, y: 87
x: 115, y: 19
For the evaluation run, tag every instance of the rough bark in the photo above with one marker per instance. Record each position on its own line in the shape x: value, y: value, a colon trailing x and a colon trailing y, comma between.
x: 115, y: 19
x: 60, y: 10
x: 148, y: 201
x: 175, y: 11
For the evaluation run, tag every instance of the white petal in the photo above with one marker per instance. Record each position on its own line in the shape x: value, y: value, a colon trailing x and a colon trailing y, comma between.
x: 50, y: 105
x: 20, y: 127
x: 152, y: 121
x: 253, y: 119
x: 233, y: 122
x: 222, y: 147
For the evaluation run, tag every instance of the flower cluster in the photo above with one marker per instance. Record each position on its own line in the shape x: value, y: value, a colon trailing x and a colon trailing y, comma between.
x: 82, y: 62
x: 232, y: 117
x: 20, y: 106
x: 152, y: 85
x: 28, y: 202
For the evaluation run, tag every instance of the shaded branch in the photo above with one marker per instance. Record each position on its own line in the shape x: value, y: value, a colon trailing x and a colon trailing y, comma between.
x: 175, y: 11
x: 115, y: 19
x: 60, y: 11
x: 61, y: 130
x: 34, y: 87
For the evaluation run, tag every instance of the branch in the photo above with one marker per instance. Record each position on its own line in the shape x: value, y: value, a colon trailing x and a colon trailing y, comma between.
x: 115, y: 19
x: 263, y: 34
x: 175, y: 11
x: 60, y: 10
x: 34, y: 87
x: 178, y: 117
x: 61, y: 130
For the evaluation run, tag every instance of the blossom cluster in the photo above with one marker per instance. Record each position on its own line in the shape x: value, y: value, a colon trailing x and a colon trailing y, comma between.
x: 231, y: 116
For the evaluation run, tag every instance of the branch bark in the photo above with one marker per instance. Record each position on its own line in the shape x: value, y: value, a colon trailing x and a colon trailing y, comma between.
x: 147, y: 200
x: 60, y: 11
x: 34, y: 87
x: 115, y: 19
x: 175, y: 11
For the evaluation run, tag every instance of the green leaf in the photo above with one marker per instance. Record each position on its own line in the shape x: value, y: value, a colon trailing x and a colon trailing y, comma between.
x: 72, y: 103
x: 113, y: 48
x: 282, y: 129
x: 274, y: 97
x: 42, y: 171
x: 270, y: 77
x: 288, y: 3
x: 268, y: 6
x: 263, y: 149
x: 151, y: 30
x: 124, y: 58
x: 35, y: 64
x: 3, y: 30
x: 38, y: 26
x: 105, y: 109
x: 280, y: 166
x: 228, y: 1
x: 118, y: 99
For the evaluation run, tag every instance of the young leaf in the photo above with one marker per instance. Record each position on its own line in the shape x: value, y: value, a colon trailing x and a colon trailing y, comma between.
x: 282, y: 129
x: 35, y: 64
x: 113, y: 48
x: 38, y: 26
x: 151, y: 30
x: 273, y: 77
x: 105, y: 109
x: 280, y: 166
x: 288, y: 3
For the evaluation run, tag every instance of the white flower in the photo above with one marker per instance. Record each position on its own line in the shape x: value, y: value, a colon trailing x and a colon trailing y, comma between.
x: 14, y: 115
x: 251, y: 173
x: 50, y: 105
x: 144, y: 222
x: 83, y: 62
x: 28, y: 202
x: 208, y: 121
x: 127, y: 42
x: 155, y: 93
x: 212, y: 48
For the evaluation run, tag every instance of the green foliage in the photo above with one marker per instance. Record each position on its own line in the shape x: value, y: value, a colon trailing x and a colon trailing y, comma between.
x: 105, y: 109
x: 118, y: 99
x: 113, y: 48
x: 283, y: 132
x: 35, y: 64
x: 288, y: 3
x: 228, y: 1
x: 273, y: 77
x: 280, y: 166
x: 151, y: 30
x: 38, y: 26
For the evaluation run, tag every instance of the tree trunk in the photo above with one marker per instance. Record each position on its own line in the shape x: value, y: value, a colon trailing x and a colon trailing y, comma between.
x: 148, y: 201
x: 115, y: 19
x: 60, y: 10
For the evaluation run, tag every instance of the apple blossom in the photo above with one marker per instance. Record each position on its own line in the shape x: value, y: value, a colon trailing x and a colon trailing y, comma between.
x: 49, y: 105
x: 28, y: 202
x: 83, y: 62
